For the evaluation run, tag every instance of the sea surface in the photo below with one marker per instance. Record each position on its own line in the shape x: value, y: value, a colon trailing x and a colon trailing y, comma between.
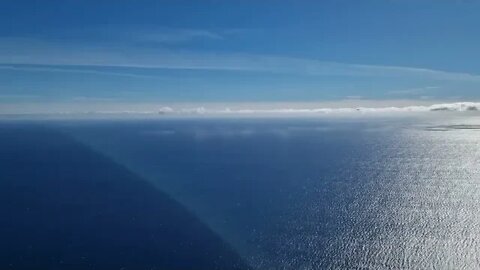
x: 363, y: 193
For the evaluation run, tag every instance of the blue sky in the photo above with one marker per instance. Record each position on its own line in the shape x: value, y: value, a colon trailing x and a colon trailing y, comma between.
x: 238, y: 51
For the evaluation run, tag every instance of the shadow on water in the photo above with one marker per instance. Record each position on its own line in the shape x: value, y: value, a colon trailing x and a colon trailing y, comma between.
x: 63, y: 206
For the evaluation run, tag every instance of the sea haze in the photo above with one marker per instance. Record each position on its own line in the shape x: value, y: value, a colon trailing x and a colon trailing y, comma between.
x: 373, y: 193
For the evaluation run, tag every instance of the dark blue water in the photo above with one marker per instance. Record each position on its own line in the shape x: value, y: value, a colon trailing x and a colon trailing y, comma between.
x: 291, y: 194
x: 64, y: 206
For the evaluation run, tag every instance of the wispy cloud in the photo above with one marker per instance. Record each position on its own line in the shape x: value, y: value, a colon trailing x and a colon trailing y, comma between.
x: 160, y: 35
x: 37, y: 52
x: 135, y: 34
x: 36, y: 68
x: 413, y: 91
x: 354, y: 97
x: 176, y: 36
x: 17, y: 97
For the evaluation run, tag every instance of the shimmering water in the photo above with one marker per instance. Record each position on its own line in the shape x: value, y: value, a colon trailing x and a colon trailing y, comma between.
x: 315, y: 194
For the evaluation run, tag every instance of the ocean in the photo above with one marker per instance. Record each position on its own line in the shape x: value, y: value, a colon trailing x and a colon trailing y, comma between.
x: 241, y: 193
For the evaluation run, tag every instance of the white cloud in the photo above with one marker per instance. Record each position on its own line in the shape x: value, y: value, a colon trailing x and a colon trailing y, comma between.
x: 165, y: 110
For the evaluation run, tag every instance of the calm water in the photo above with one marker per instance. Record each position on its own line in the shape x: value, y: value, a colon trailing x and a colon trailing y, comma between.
x: 307, y: 194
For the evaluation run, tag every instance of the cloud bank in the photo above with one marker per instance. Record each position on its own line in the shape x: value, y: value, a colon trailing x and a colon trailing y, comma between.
x: 452, y: 107
x: 247, y: 110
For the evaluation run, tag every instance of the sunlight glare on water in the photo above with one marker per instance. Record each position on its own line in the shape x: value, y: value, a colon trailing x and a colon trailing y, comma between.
x: 415, y: 206
x: 317, y: 194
